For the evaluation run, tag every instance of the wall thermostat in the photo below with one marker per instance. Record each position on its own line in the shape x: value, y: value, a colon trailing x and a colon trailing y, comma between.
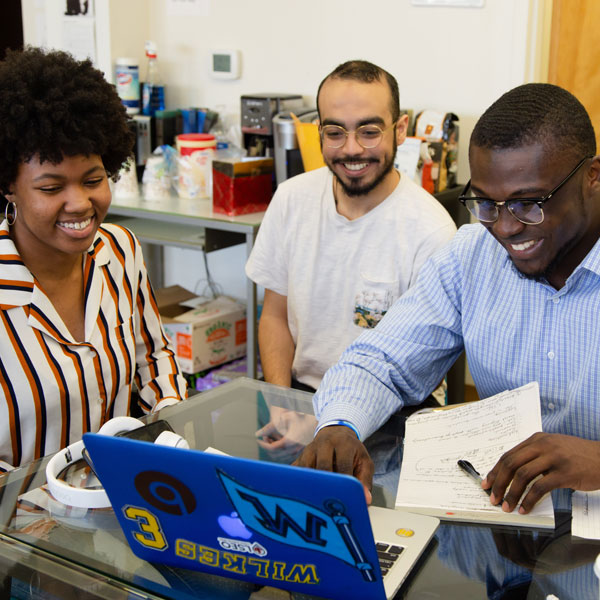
x: 225, y: 64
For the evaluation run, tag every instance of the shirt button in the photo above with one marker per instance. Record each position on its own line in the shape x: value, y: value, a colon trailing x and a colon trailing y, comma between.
x: 550, y: 405
x: 550, y: 355
x: 93, y: 354
x: 556, y: 300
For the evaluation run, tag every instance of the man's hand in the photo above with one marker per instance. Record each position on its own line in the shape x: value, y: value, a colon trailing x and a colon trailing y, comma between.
x: 336, y: 448
x: 287, y: 433
x: 553, y: 460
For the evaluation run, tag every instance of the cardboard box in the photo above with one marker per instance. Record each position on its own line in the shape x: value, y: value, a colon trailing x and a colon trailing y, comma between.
x: 203, y: 337
x: 242, y: 186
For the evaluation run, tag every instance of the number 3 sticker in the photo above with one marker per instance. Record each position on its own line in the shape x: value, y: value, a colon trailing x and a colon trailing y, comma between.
x: 150, y: 534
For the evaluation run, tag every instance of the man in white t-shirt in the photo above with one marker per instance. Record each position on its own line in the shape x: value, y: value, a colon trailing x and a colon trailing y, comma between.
x: 340, y: 244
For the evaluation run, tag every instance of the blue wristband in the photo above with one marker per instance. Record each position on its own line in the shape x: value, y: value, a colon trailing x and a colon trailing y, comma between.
x: 339, y: 422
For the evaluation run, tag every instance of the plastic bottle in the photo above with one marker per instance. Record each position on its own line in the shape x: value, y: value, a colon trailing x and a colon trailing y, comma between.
x: 128, y: 83
x: 153, y: 91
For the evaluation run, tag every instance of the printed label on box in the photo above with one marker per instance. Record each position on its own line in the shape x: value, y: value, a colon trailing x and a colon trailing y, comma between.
x: 216, y: 337
x: 184, y: 345
x: 240, y: 332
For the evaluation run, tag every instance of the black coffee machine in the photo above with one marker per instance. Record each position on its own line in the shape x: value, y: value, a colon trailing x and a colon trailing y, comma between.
x: 258, y: 111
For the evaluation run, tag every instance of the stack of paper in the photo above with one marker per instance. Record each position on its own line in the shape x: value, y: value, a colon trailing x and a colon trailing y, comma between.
x: 431, y: 481
x: 586, y: 515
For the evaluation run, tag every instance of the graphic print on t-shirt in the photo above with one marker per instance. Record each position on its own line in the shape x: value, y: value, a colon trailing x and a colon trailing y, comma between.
x: 372, y: 301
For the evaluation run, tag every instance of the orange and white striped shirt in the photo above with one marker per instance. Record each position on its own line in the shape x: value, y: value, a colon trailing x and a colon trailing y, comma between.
x: 54, y: 389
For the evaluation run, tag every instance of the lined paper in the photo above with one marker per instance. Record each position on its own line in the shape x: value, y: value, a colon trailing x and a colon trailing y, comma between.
x: 586, y: 515
x: 479, y: 432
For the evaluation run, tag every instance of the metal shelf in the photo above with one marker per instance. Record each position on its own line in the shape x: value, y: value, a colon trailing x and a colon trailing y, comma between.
x: 162, y: 233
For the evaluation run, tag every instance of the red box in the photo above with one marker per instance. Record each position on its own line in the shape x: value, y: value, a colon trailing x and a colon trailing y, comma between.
x: 242, y: 186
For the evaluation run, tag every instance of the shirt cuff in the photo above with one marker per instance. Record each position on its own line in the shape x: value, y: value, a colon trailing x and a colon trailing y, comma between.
x: 338, y: 422
x: 5, y: 467
x: 165, y: 402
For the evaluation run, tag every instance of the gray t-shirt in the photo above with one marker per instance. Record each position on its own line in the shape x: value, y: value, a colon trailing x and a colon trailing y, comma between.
x: 341, y: 276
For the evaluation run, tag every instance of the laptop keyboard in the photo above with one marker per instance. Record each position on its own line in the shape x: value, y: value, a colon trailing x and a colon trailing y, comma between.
x: 388, y: 554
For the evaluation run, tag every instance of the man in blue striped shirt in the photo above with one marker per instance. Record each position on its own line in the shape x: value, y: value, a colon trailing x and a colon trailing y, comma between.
x: 520, y: 292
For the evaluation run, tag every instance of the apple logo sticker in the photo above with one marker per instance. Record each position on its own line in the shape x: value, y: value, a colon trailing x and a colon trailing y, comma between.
x: 233, y: 526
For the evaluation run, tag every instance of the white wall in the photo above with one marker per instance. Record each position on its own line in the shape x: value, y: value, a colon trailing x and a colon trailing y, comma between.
x: 451, y: 59
x: 444, y: 58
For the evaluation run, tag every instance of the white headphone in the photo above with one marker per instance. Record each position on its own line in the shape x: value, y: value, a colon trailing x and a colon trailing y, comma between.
x: 86, y: 498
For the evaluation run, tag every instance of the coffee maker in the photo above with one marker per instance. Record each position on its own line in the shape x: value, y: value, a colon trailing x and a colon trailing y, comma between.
x: 257, y: 113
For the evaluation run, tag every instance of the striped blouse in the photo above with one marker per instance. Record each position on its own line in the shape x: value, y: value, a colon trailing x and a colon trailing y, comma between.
x: 54, y: 389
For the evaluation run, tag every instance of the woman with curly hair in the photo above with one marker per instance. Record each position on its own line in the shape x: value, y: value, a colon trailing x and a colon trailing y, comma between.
x: 79, y: 326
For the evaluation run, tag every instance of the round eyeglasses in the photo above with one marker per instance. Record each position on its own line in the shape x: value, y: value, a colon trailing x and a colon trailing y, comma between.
x: 367, y: 136
x: 527, y: 210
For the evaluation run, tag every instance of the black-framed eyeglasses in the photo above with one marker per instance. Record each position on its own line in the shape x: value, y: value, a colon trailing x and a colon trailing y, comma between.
x: 368, y: 136
x: 527, y: 210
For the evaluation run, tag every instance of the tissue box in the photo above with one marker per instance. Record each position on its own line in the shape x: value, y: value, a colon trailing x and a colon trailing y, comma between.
x: 205, y: 336
x: 242, y: 186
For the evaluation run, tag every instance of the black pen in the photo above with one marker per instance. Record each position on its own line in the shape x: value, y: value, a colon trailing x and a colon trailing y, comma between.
x: 469, y: 469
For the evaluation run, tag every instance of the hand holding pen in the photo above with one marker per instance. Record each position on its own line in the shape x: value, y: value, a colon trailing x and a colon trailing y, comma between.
x: 541, y: 463
x: 470, y: 470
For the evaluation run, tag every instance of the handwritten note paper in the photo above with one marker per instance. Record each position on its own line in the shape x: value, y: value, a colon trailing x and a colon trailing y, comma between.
x: 586, y: 515
x: 479, y: 432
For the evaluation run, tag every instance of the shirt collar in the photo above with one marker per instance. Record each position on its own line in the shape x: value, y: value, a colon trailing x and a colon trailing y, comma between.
x: 16, y: 280
x: 592, y: 261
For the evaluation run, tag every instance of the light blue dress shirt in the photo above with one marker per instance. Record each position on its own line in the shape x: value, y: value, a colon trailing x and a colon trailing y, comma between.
x: 514, y: 330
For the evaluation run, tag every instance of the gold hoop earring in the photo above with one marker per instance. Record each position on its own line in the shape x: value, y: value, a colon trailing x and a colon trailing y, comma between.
x: 10, y: 217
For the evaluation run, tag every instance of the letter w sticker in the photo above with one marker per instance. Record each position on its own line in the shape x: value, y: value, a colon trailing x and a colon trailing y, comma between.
x: 287, y: 521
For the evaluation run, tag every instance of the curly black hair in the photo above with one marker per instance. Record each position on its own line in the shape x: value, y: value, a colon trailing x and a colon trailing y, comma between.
x: 536, y: 112
x: 52, y: 106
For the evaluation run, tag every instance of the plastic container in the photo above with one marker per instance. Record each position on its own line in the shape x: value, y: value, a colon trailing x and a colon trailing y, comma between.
x: 188, y: 143
x: 127, y: 75
x: 127, y: 184
x: 194, y: 166
x: 153, y: 90
x: 156, y: 181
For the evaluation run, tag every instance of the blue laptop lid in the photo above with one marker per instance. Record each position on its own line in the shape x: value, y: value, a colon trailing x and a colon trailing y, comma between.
x: 271, y: 524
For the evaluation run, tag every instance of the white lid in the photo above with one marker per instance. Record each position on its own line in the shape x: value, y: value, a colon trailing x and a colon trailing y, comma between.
x: 133, y: 62
x: 150, y: 48
x: 597, y: 566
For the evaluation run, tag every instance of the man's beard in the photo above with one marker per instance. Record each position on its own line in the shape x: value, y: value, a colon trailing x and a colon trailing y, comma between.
x: 544, y: 274
x: 355, y: 188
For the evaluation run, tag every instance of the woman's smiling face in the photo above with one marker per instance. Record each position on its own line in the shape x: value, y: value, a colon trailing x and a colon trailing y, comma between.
x: 59, y: 206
